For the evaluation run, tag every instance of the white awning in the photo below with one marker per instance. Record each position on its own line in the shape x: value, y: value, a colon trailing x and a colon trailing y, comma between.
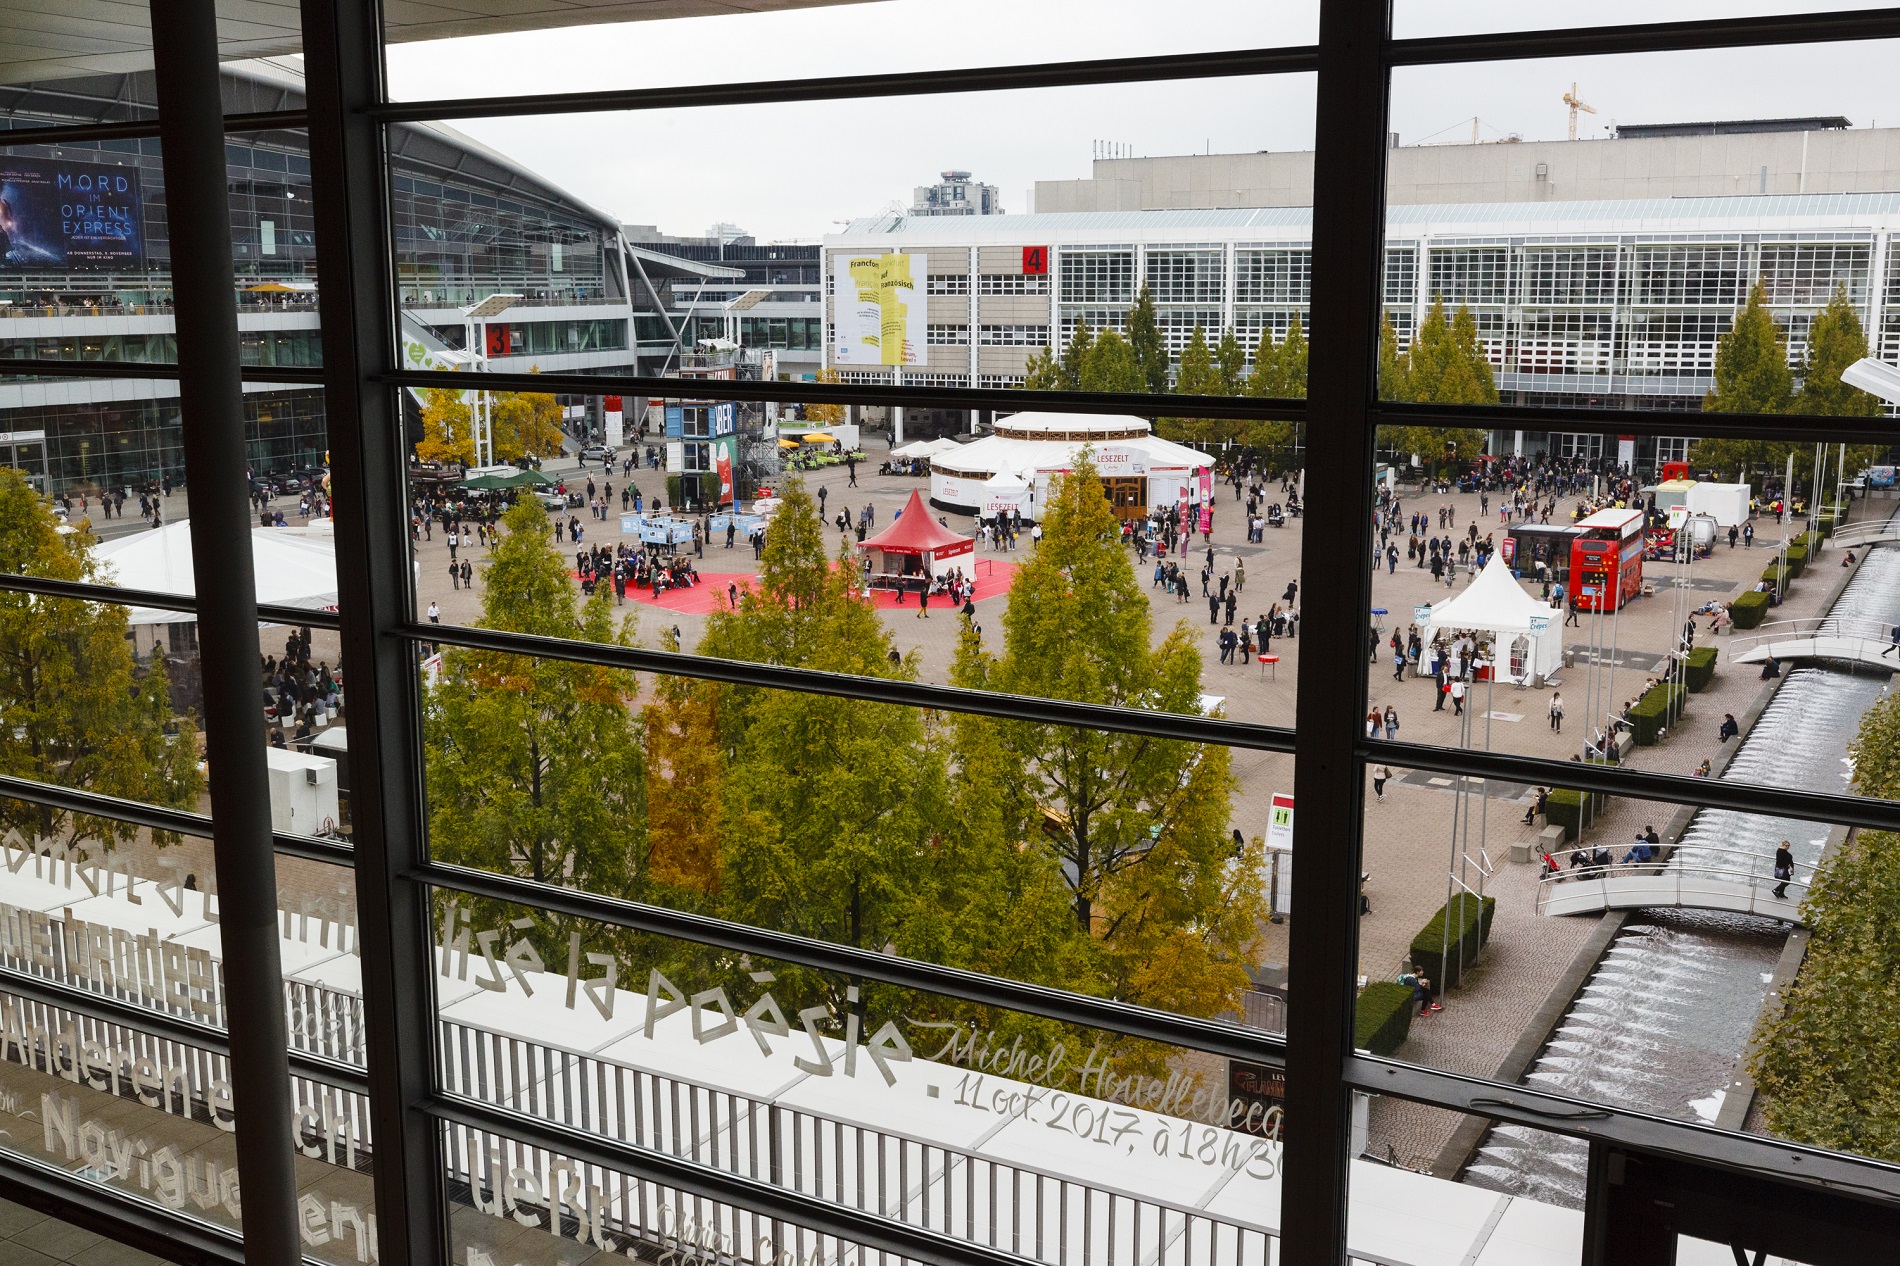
x: 294, y: 568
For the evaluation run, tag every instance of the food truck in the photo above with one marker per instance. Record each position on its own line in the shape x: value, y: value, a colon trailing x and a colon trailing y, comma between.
x: 1606, y: 560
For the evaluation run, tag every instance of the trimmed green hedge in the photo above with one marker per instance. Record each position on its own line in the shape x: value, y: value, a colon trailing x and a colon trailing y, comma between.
x: 1651, y: 713
x: 1470, y: 929
x: 1811, y: 542
x: 1699, y: 669
x: 1382, y: 1018
x: 1797, y: 560
x: 1749, y: 610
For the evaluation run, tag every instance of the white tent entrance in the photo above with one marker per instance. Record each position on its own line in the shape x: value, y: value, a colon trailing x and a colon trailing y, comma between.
x: 1527, y: 638
x: 294, y: 568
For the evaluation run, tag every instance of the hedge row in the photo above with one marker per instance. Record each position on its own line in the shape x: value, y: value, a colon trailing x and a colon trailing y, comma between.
x: 1699, y: 669
x: 1749, y: 610
x: 1382, y: 1018
x: 1470, y: 921
x: 1797, y: 560
x: 1650, y: 714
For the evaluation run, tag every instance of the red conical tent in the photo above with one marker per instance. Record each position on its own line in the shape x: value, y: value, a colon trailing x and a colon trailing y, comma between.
x: 916, y: 535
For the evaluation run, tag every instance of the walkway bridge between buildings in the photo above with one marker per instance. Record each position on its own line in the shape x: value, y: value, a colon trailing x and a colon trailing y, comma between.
x: 1853, y: 641
x: 1733, y: 880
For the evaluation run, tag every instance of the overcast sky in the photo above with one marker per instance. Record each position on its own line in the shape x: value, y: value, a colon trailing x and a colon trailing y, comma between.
x: 794, y: 172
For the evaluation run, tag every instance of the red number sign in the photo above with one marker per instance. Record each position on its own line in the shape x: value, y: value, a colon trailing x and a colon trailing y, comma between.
x: 1036, y: 260
x: 497, y: 339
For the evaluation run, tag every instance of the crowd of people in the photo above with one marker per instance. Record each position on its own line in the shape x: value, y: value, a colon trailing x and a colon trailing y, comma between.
x: 295, y: 690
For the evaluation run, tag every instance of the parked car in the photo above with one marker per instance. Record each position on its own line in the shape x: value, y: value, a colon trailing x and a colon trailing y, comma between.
x: 597, y: 453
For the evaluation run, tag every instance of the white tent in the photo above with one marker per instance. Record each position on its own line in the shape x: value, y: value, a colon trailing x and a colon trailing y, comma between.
x: 945, y: 445
x: 294, y: 569
x: 1530, y: 641
x: 1006, y: 491
x: 1727, y: 504
x: 916, y: 448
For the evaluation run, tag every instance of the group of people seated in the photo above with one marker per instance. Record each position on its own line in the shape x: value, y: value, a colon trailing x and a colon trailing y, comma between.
x: 626, y: 568
x: 294, y: 689
x: 1596, y: 860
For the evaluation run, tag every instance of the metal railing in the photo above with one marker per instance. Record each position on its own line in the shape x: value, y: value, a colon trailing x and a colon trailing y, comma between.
x: 1035, y: 1213
x: 1859, y: 637
x: 1675, y: 880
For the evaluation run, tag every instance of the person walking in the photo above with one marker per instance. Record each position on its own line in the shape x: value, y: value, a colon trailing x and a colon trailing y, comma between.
x: 1557, y: 712
x: 923, y: 602
x: 1391, y: 723
x: 1784, y: 870
x: 468, y: 575
x: 435, y: 612
x: 851, y: 468
x: 1893, y: 641
x: 1457, y: 696
x: 1380, y: 776
x: 455, y: 574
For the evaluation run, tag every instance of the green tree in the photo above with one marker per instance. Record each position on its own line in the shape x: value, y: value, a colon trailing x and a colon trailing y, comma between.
x: 75, y: 711
x: 1137, y: 826
x: 1231, y: 359
x: 1198, y: 375
x: 448, y: 428
x: 832, y: 809
x: 1824, y: 1062
x: 1110, y: 364
x: 1751, y: 363
x: 1279, y: 372
x: 822, y: 415
x: 535, y: 766
x: 1392, y: 364
x: 1445, y: 364
x: 1835, y: 341
x: 1150, y: 349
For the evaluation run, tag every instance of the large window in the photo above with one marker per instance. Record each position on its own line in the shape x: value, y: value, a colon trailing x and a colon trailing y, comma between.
x: 757, y: 794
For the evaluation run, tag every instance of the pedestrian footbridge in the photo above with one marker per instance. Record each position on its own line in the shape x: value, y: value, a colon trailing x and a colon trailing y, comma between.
x: 1882, y: 531
x: 1739, y: 882
x: 1860, y: 642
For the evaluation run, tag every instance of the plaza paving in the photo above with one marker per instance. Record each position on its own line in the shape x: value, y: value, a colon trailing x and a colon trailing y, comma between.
x: 1408, y: 838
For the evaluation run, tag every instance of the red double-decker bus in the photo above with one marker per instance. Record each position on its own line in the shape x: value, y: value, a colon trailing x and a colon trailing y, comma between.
x: 1606, y: 562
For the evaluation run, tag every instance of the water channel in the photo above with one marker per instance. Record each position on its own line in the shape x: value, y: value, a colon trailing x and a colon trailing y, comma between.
x: 1661, y: 1024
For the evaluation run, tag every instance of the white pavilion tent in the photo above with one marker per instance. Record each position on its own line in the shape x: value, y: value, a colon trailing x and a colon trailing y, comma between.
x: 294, y: 568
x: 1006, y: 491
x: 1530, y: 643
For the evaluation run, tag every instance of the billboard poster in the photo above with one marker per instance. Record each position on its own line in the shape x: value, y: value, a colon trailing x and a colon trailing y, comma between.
x: 1207, y: 486
x: 879, y: 309
x: 56, y: 214
x: 722, y: 463
x: 725, y: 418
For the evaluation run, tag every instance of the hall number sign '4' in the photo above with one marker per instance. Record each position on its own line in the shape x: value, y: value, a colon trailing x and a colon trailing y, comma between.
x: 1036, y: 261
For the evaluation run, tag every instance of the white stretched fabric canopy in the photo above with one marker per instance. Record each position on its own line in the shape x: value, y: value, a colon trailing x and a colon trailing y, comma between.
x: 916, y: 448
x: 294, y: 568
x: 1526, y: 627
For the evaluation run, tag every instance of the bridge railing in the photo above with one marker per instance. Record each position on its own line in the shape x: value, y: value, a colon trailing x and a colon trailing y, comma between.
x: 1677, y: 880
x: 1870, y: 636
x: 1866, y: 533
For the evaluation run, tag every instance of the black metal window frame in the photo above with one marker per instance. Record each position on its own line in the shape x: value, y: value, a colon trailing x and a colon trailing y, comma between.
x: 346, y: 115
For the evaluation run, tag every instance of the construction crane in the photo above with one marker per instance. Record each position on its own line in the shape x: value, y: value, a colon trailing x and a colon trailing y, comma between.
x: 1575, y: 103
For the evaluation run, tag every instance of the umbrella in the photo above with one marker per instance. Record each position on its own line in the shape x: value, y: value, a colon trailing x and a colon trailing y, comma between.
x: 526, y: 479
x: 819, y: 437
x: 788, y: 443
x: 487, y: 483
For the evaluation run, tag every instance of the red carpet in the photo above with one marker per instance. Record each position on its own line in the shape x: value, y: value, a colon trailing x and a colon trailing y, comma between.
x: 993, y: 579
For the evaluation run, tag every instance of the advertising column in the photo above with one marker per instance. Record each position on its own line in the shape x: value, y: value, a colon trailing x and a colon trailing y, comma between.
x: 612, y: 424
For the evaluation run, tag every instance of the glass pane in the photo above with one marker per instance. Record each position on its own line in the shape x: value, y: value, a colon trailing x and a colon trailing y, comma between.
x: 1112, y: 865
x: 1043, y: 1140
x: 34, y: 1239
x: 137, y: 920
x: 705, y: 42
x: 1414, y: 19
x: 1559, y: 598
x: 1629, y: 252
x: 1433, y: 1208
x: 1185, y: 621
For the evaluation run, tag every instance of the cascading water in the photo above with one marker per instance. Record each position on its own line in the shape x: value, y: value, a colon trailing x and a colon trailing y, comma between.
x: 1663, y: 1020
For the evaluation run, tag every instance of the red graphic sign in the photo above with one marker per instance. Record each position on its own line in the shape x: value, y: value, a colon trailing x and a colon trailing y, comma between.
x: 497, y: 341
x: 724, y: 465
x: 613, y: 404
x: 1036, y: 261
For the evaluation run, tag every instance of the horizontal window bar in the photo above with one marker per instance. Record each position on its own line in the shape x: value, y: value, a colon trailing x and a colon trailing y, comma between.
x: 100, y: 1209
x: 162, y: 371
x: 1523, y: 417
x: 1012, y: 398
x: 140, y: 129
x: 160, y: 1024
x: 1211, y: 1036
x: 1637, y: 784
x: 1168, y: 725
x: 267, y: 612
x: 154, y: 818
x: 812, y: 1213
x: 1521, y: 1105
x: 1644, y: 37
x: 1112, y: 70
